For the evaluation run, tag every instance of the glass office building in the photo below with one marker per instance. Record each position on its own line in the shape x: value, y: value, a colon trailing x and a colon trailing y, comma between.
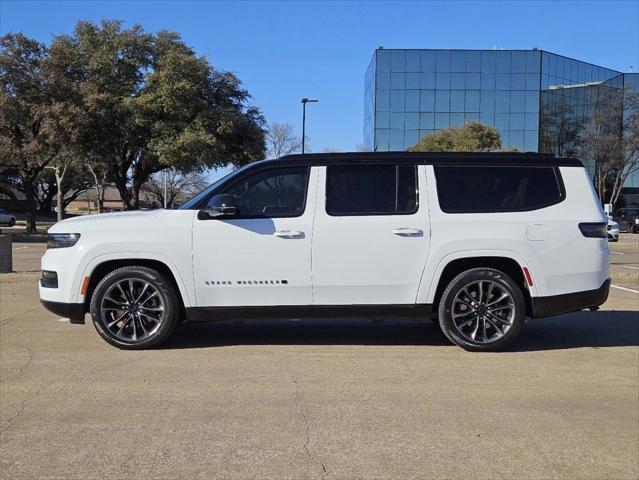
x: 530, y: 96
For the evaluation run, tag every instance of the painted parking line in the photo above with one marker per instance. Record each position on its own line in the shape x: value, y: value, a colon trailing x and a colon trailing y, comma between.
x: 618, y: 253
x: 625, y: 289
x: 628, y: 266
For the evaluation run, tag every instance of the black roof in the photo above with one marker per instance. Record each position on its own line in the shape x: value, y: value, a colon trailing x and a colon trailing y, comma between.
x: 430, y: 158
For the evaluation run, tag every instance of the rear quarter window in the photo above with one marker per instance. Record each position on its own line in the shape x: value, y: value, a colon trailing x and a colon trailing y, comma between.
x: 485, y: 189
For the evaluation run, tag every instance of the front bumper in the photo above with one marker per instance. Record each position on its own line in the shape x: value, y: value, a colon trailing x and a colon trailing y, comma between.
x: 73, y: 311
x: 569, y: 302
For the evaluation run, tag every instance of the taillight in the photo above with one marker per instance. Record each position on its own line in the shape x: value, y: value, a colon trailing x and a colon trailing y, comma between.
x: 594, y: 230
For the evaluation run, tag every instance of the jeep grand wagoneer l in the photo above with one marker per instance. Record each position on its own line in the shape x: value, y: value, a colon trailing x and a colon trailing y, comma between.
x: 478, y: 241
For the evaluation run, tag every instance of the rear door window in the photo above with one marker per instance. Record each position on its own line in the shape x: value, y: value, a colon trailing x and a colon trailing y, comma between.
x: 479, y: 189
x: 371, y: 189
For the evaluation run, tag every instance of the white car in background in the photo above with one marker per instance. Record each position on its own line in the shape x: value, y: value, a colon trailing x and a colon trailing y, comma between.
x: 6, y: 218
x: 613, y: 230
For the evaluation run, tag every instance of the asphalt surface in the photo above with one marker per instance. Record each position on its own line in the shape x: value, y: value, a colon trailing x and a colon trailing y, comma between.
x: 319, y: 399
x: 624, y: 261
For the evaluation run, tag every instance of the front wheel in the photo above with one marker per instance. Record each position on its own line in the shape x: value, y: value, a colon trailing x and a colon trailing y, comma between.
x: 482, y: 309
x: 12, y: 222
x: 135, y: 308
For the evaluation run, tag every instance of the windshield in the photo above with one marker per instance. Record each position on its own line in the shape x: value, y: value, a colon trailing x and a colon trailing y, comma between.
x: 188, y: 205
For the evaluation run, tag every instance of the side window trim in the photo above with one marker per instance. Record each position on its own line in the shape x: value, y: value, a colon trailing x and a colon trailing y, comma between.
x: 375, y: 214
x: 226, y: 187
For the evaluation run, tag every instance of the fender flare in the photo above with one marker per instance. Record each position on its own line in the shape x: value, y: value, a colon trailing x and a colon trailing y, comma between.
x: 429, y: 283
x: 100, y: 259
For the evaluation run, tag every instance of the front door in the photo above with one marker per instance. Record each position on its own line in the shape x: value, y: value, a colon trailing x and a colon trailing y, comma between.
x: 262, y: 255
x: 371, y: 234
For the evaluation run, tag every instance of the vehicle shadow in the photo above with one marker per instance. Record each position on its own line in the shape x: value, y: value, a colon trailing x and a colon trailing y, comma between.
x: 575, y: 330
x: 581, y: 329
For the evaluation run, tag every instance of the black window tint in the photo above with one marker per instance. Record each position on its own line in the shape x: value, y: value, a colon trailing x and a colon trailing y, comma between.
x: 406, y: 189
x: 271, y: 193
x: 467, y: 189
x: 371, y: 190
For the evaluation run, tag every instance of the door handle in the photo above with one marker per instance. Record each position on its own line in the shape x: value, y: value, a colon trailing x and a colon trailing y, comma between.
x: 408, y: 232
x: 289, y: 234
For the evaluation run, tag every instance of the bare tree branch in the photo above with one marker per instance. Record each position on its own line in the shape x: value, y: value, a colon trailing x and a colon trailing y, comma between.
x: 281, y: 140
x: 178, y: 186
x: 611, y: 141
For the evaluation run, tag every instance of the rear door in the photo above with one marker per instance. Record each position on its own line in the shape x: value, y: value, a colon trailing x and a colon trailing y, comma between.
x: 371, y: 234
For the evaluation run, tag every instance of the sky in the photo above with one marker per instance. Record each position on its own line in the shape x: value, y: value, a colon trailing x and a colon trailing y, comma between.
x: 283, y: 51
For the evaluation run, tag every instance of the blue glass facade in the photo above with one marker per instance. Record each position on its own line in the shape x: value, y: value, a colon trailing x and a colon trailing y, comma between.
x: 526, y: 94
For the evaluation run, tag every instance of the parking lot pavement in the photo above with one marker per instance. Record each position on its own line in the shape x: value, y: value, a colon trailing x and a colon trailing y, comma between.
x: 317, y: 399
x: 624, y: 261
x: 26, y: 256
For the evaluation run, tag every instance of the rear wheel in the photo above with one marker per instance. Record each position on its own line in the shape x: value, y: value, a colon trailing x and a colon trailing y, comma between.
x: 482, y: 309
x: 135, y: 308
x: 12, y: 222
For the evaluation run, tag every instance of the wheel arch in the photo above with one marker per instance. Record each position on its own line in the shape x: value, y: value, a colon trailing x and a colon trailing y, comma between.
x: 449, y: 268
x: 100, y: 268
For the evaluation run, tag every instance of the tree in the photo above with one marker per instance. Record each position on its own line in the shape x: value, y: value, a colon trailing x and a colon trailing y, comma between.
x: 559, y: 125
x: 281, y: 140
x: 100, y: 175
x: 611, y: 140
x: 76, y: 181
x: 470, y: 137
x: 46, y: 191
x: 628, y: 163
x: 178, y: 186
x: 36, y: 119
x: 149, y: 103
x: 61, y: 164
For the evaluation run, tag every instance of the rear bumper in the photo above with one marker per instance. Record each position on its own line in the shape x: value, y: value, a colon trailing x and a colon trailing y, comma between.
x: 73, y: 311
x: 569, y: 302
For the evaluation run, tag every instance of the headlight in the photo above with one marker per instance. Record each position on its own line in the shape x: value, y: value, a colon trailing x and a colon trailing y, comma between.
x: 62, y: 240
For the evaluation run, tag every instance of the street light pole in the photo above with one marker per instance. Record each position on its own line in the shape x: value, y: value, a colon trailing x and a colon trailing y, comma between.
x: 165, y: 171
x: 304, y: 102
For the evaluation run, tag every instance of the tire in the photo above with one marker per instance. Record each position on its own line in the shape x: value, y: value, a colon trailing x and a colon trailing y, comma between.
x: 504, y: 319
x: 12, y: 222
x: 146, y: 320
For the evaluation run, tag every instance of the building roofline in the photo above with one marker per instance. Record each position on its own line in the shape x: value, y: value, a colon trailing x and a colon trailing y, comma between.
x: 503, y: 50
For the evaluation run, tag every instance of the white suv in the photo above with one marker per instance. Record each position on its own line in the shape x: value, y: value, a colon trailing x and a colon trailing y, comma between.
x: 479, y: 241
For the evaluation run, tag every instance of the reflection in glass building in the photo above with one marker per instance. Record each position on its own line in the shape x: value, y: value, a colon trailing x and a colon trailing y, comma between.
x: 539, y: 101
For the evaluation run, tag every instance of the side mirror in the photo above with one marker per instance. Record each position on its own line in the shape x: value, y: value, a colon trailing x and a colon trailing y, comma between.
x: 221, y: 206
